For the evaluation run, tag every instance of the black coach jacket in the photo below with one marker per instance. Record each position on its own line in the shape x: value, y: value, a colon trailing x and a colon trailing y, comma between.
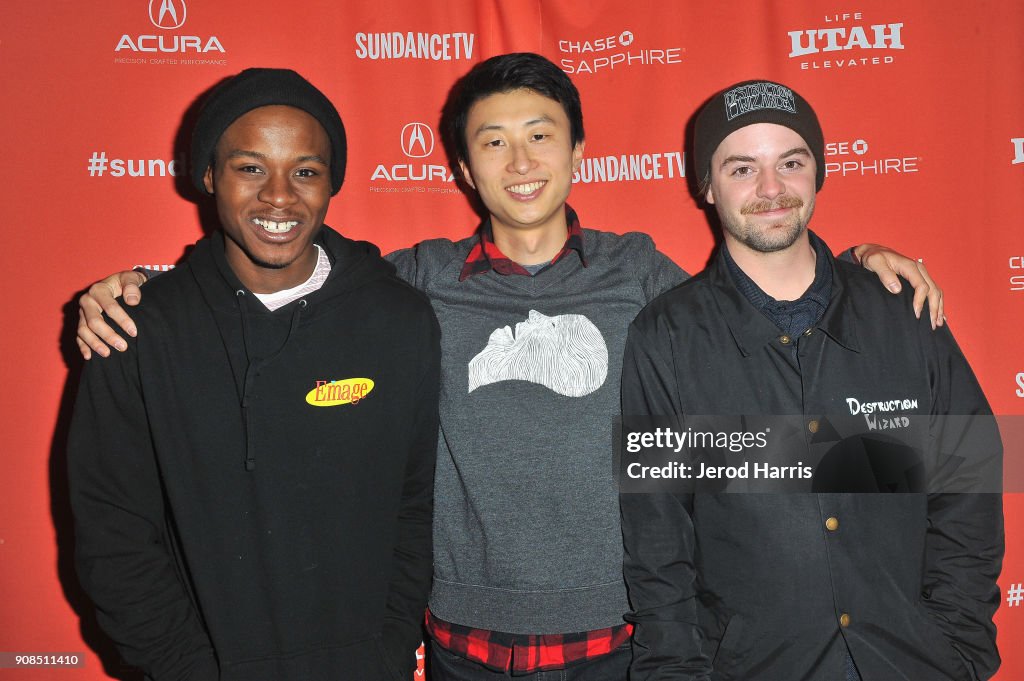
x: 777, y: 587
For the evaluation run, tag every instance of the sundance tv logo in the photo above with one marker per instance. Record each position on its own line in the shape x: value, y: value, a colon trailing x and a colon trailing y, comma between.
x: 410, y: 45
x: 167, y: 16
x: 419, y: 171
x: 601, y: 54
x: 650, y: 167
x: 846, y: 41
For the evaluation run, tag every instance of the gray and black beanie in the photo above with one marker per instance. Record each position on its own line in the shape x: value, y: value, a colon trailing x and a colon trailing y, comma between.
x: 749, y: 102
x: 251, y: 89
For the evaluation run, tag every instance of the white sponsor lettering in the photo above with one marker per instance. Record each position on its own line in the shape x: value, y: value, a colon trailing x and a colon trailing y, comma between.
x: 409, y: 45
x: 813, y: 41
x: 631, y: 167
x: 844, y: 63
x: 882, y: 166
x: 169, y: 43
x: 672, y: 55
x: 1018, y: 150
x: 624, y: 39
x: 154, y: 167
x: 846, y: 16
x: 405, y: 172
x: 859, y: 147
x: 608, y: 52
x: 1017, y: 280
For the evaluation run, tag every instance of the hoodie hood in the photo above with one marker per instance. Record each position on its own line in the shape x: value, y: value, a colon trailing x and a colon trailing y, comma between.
x: 353, y: 264
x: 254, y: 337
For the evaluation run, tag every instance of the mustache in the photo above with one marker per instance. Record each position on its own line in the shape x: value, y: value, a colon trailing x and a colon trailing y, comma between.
x: 764, y: 205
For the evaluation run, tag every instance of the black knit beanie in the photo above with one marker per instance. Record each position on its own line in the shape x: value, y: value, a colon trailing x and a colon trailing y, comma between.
x: 251, y: 89
x: 749, y: 102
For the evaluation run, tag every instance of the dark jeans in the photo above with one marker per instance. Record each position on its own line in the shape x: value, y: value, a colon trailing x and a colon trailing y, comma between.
x: 446, y: 666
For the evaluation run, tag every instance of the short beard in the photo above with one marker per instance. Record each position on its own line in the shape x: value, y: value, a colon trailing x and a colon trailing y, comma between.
x: 764, y: 241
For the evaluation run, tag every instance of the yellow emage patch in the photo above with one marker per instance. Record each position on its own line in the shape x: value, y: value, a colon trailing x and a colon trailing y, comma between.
x: 344, y: 391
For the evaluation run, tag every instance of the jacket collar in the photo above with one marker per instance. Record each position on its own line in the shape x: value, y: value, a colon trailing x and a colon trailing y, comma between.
x: 751, y: 330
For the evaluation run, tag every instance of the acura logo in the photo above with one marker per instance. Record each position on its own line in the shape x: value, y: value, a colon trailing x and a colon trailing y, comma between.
x: 167, y: 14
x: 417, y: 140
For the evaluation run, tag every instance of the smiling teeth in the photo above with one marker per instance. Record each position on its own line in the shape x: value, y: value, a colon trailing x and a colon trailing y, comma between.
x: 526, y: 188
x: 276, y: 227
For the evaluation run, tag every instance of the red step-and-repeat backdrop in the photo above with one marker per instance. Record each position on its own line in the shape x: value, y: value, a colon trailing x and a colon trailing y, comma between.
x: 921, y: 102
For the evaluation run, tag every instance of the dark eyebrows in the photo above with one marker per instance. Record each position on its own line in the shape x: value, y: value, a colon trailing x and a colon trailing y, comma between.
x: 242, y: 153
x: 540, y: 119
x: 245, y: 153
x: 796, y: 151
x: 737, y: 158
x: 487, y: 127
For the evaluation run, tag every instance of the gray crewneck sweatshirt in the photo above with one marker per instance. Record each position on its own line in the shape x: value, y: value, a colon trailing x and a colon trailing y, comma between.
x: 526, y: 519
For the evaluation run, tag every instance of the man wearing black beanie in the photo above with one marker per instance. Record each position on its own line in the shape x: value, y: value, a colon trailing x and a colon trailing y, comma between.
x: 831, y: 577
x: 245, y: 505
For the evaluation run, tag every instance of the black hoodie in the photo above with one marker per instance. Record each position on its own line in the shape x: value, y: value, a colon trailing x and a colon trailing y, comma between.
x: 252, y: 489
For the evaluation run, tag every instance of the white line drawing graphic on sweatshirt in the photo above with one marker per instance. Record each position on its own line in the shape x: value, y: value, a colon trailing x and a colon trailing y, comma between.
x: 566, y: 354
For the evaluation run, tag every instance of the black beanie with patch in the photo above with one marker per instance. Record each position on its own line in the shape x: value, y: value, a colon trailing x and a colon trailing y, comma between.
x: 251, y: 89
x: 749, y: 102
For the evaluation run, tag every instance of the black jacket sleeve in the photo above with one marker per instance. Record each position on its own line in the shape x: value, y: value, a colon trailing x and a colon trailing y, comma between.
x: 964, y: 549
x: 413, y: 563
x: 122, y: 549
x: 658, y: 538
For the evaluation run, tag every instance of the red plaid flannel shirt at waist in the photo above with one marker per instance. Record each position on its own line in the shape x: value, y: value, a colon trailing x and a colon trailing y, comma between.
x: 525, y: 653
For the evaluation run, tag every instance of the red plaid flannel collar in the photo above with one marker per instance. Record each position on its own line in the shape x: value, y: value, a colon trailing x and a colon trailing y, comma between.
x: 525, y: 653
x: 485, y: 256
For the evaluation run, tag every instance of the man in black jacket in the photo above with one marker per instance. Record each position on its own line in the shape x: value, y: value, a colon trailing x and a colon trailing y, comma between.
x: 246, y: 505
x: 823, y: 587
